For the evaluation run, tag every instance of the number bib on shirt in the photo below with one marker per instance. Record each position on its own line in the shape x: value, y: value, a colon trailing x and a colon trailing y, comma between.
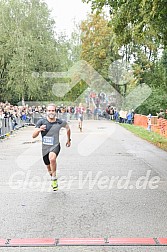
x: 48, y: 140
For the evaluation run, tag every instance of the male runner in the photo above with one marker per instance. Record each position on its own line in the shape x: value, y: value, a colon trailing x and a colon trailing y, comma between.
x: 50, y: 129
x: 80, y: 116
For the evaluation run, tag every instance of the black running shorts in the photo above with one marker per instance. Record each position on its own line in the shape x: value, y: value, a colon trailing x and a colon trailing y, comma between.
x: 56, y: 150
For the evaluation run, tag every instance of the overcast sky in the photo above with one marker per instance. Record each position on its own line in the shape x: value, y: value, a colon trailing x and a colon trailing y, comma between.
x: 66, y: 11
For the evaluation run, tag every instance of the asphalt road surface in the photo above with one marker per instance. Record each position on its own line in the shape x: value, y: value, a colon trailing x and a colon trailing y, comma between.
x: 111, y: 184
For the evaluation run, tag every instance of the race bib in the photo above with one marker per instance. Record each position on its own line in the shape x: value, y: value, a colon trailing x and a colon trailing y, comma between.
x: 48, y: 140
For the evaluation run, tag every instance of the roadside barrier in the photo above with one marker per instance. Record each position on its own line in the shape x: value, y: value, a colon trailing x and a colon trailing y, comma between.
x: 158, y: 125
x: 9, y: 126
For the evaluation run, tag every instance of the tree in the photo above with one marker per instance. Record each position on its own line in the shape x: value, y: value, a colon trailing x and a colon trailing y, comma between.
x: 27, y: 45
x: 138, y: 13
x: 98, y: 46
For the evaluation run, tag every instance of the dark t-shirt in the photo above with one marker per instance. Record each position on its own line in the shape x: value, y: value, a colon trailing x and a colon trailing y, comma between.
x: 50, y: 137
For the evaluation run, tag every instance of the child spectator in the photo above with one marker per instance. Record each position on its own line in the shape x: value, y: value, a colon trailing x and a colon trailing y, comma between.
x: 149, y: 123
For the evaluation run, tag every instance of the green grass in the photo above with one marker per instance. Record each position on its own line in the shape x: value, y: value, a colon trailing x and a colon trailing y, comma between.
x: 151, y: 137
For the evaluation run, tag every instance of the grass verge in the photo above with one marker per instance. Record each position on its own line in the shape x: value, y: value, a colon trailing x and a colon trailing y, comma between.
x: 151, y: 137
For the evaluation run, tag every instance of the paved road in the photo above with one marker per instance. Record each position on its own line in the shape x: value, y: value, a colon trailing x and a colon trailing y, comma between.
x: 111, y: 184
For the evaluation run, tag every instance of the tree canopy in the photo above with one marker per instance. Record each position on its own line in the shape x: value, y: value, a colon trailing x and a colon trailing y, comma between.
x: 139, y: 29
x: 28, y: 47
x: 140, y: 14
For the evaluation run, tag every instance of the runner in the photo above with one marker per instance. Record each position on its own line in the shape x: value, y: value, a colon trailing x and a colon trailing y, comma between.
x: 80, y: 116
x: 80, y: 120
x: 50, y: 129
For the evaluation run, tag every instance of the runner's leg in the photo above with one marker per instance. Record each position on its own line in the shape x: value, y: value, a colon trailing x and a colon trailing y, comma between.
x: 52, y: 159
x: 80, y: 125
x: 49, y: 169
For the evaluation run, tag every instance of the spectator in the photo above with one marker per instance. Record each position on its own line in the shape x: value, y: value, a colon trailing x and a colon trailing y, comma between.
x: 121, y: 115
x: 129, y: 117
x: 111, y: 113
x: 149, y: 123
x: 88, y: 113
x: 161, y: 114
x: 116, y: 116
x: 1, y: 119
x: 23, y: 116
x: 133, y: 115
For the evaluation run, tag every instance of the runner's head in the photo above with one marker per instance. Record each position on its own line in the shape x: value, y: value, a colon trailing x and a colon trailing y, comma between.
x: 51, y: 111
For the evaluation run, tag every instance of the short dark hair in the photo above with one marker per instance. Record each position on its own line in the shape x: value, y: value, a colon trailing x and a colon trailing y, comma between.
x: 51, y: 104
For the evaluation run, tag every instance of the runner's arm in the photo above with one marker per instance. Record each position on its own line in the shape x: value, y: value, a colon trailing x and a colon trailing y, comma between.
x: 38, y: 130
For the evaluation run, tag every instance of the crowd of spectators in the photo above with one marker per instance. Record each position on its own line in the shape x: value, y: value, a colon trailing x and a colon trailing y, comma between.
x: 26, y: 114
x: 112, y: 113
x: 13, y: 117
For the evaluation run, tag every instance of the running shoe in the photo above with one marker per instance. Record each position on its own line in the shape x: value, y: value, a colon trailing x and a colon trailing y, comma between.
x: 54, y: 185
